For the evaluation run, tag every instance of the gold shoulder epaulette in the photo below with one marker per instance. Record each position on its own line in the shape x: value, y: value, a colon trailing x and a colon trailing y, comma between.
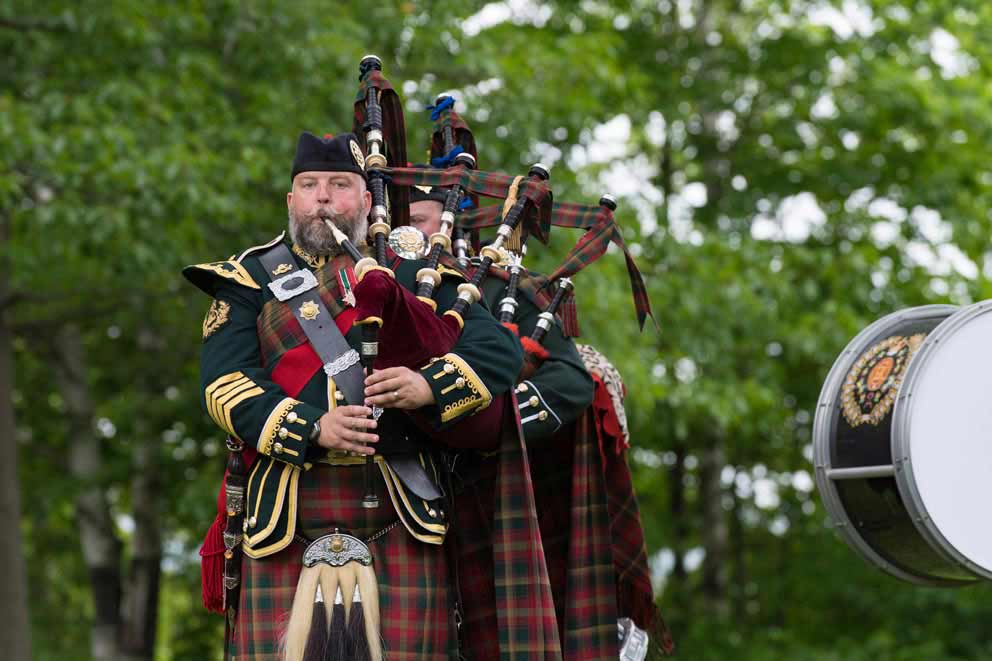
x: 263, y: 246
x: 231, y: 270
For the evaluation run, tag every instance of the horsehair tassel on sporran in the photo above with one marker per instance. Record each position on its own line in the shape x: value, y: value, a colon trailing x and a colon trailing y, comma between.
x: 336, y: 581
x: 428, y: 277
x: 508, y: 304
x: 470, y: 292
x: 234, y: 505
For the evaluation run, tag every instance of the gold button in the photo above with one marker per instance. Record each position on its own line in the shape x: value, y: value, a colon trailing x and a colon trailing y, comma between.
x: 543, y: 415
x: 459, y: 382
x: 522, y: 387
x: 448, y: 368
x: 338, y: 395
x: 283, y: 433
x: 432, y: 513
x: 291, y: 416
x: 277, y: 448
x: 533, y: 401
x: 252, y: 521
x: 244, y: 525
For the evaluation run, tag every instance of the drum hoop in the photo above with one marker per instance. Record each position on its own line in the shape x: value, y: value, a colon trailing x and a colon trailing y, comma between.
x: 828, y: 408
x: 905, y: 478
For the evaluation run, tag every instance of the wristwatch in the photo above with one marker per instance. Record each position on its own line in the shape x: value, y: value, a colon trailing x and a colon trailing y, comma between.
x: 315, y: 432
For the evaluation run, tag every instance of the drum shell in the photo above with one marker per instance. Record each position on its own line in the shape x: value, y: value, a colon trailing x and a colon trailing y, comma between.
x: 855, y: 471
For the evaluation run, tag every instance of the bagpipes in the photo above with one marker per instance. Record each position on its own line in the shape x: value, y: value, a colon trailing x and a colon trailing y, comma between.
x: 398, y: 328
x: 638, y: 615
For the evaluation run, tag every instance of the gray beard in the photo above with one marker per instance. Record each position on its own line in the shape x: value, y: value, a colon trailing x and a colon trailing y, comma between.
x: 315, y: 237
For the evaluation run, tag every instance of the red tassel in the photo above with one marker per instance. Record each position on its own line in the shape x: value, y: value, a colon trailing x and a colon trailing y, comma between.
x: 513, y: 328
x: 534, y: 349
x: 212, y: 566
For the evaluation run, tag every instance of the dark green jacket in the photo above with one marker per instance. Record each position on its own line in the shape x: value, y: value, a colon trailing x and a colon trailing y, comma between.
x: 246, y: 338
x: 561, y: 388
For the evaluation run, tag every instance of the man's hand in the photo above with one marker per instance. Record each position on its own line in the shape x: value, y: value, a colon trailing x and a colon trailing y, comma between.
x: 345, y: 427
x: 397, y: 388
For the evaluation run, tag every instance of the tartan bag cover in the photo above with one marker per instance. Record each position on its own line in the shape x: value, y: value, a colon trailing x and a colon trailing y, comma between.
x: 598, y: 221
x: 393, y: 136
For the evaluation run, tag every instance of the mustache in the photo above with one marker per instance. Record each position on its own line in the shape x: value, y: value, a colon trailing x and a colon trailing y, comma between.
x: 324, y: 213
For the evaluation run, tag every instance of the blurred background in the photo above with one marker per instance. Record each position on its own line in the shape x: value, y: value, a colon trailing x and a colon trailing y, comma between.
x: 787, y: 172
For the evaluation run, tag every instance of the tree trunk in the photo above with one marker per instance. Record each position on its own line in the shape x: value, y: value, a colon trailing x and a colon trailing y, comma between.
x: 100, y: 546
x: 740, y: 578
x: 143, y: 580
x: 15, y: 634
x: 715, y: 532
x: 141, y: 612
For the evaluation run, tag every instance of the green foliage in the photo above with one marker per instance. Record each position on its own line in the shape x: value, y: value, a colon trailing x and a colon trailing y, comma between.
x: 138, y: 137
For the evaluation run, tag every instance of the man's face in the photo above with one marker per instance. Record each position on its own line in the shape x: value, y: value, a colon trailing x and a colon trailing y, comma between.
x: 340, y: 197
x: 426, y: 216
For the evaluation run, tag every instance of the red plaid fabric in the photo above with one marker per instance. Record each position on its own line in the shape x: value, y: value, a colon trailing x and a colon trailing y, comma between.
x: 278, y: 329
x: 601, y: 230
x: 413, y: 591
x: 630, y: 558
x: 593, y: 537
x: 393, y: 134
x: 575, y: 525
x: 506, y: 593
x: 460, y: 133
x: 537, y: 216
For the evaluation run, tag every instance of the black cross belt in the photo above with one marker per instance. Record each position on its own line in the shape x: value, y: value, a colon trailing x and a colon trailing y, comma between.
x: 299, y: 290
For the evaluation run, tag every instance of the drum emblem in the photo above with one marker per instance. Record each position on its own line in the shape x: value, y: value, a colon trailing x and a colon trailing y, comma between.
x: 873, y: 382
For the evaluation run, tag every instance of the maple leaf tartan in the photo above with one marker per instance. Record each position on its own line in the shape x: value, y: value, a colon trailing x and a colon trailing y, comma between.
x: 507, y: 599
x: 593, y: 540
x: 393, y: 135
x: 537, y: 214
x: 460, y: 132
x: 601, y: 229
x: 598, y: 221
x: 414, y: 597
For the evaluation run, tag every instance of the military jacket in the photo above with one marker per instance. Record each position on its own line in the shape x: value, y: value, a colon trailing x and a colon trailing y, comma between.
x: 560, y: 389
x: 249, y: 336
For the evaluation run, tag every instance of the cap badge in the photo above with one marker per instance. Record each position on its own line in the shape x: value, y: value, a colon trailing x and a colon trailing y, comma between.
x: 356, y: 153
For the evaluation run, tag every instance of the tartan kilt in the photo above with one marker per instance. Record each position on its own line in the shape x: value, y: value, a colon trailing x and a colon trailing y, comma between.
x: 414, y: 605
x: 575, y: 529
x: 472, y: 531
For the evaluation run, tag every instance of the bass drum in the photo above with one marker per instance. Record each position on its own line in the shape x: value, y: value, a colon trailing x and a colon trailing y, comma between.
x: 901, y: 444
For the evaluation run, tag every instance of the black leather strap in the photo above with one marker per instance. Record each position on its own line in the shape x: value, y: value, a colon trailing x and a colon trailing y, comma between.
x: 334, y: 351
x: 324, y: 335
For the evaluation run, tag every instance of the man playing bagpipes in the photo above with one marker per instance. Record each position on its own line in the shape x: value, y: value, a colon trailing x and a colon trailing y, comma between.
x: 571, y: 410
x: 342, y: 508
